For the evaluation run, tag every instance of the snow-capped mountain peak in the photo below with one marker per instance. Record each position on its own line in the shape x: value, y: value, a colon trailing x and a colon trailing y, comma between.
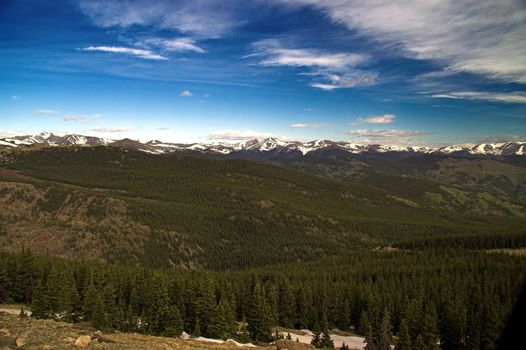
x: 270, y: 146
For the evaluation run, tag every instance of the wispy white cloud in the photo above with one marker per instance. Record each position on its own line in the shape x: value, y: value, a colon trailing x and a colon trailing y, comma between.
x: 498, y: 139
x: 390, y: 137
x: 81, y: 118
x: 204, y: 18
x: 46, y: 112
x: 238, y: 135
x: 481, y: 37
x: 308, y: 126
x: 509, y: 97
x: 16, y: 97
x: 276, y: 55
x: 76, y: 118
x: 163, y: 128
x: 173, y: 44
x: 141, y: 53
x: 330, y: 70
x: 8, y: 133
x: 186, y: 93
x: 386, y: 133
x: 115, y: 129
x: 378, y: 119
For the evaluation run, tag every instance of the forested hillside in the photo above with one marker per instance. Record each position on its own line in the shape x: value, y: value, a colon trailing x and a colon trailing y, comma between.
x: 460, y: 299
x: 130, y: 207
x: 474, y: 185
x: 231, y: 248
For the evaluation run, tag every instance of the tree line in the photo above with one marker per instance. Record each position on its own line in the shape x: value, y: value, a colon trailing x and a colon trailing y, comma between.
x: 451, y: 300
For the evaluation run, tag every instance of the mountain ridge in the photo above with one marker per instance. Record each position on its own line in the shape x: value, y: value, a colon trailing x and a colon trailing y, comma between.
x: 268, y: 146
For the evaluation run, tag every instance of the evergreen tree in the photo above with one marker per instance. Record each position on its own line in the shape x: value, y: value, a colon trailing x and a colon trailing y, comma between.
x: 25, y: 274
x: 344, y: 321
x: 490, y: 320
x: 364, y: 323
x: 197, y: 329
x: 385, y: 335
x: 223, y: 322
x: 474, y: 319
x: 99, y: 318
x: 404, y: 339
x: 5, y: 294
x: 429, y: 328
x: 326, y: 341
x: 69, y: 298
x: 173, y: 322
x: 205, y: 304
x: 419, y: 343
x: 316, y: 338
x: 287, y: 305
x: 258, y: 316
x: 109, y: 305
x: 40, y: 305
x: 344, y: 346
x: 370, y: 340
x: 89, y: 298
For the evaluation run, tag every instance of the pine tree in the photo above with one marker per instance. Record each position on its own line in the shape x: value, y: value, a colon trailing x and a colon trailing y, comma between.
x: 326, y: 341
x: 316, y: 338
x: 223, y: 322
x: 197, y: 329
x: 109, y: 305
x: 69, y: 298
x: 40, y: 305
x: 173, y: 322
x: 25, y: 274
x: 419, y: 343
x: 364, y: 323
x: 344, y: 346
x: 385, y: 336
x: 344, y: 321
x: 490, y: 320
x: 5, y: 294
x: 474, y: 319
x: 430, y: 328
x: 404, y: 339
x: 99, y: 318
x: 89, y: 298
x: 369, y: 339
x: 205, y: 303
x: 287, y: 305
x: 258, y: 316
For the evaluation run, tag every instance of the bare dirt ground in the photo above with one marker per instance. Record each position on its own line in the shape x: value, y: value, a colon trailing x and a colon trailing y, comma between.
x: 27, y: 333
x: 11, y: 174
x: 304, y: 336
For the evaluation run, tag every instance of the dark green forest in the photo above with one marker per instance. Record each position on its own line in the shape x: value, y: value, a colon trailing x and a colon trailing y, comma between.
x: 231, y: 248
x: 458, y: 299
x: 232, y: 213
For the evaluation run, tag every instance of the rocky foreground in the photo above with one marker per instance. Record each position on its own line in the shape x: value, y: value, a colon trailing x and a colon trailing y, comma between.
x: 27, y: 333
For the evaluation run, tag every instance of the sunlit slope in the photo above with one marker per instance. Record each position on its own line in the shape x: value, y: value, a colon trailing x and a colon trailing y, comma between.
x: 157, y: 210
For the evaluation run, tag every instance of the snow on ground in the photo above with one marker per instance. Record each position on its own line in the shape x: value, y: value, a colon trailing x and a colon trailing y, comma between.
x: 305, y: 336
x: 14, y: 311
x: 4, y: 143
x: 218, y: 341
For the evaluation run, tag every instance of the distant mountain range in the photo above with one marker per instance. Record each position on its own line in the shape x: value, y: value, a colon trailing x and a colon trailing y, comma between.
x: 268, y: 147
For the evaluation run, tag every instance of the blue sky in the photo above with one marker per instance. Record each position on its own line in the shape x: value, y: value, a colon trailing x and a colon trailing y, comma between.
x: 377, y: 71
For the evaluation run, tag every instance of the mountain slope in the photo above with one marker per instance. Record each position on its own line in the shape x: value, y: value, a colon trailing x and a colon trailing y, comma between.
x: 197, y: 211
